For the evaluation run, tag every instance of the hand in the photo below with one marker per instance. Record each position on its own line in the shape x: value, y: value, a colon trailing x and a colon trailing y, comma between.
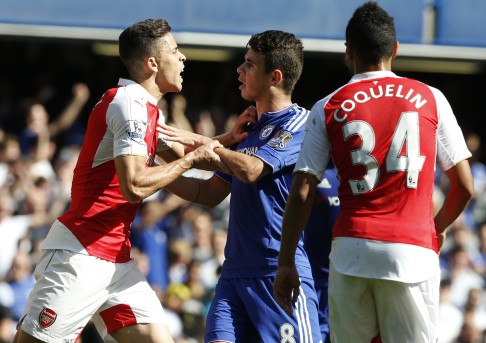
x: 240, y: 130
x: 286, y: 288
x: 205, y: 158
x: 440, y: 239
x: 187, y: 138
x: 81, y: 92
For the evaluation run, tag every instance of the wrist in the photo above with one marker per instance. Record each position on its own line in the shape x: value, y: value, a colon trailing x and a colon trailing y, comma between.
x: 187, y: 161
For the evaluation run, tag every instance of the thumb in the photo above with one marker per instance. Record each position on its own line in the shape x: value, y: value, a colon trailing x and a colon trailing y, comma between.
x: 295, y: 293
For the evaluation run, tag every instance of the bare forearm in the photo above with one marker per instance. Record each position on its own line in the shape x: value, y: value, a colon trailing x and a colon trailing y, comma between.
x: 187, y: 188
x: 450, y: 210
x: 172, y: 154
x: 246, y: 168
x: 207, y: 192
x: 460, y: 193
x: 226, y: 139
x: 297, y: 210
x: 147, y: 180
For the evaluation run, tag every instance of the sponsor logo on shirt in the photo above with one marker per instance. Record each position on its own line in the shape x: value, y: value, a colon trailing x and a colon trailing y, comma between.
x: 47, y: 317
x: 324, y: 184
x: 250, y: 151
x: 266, y: 131
x: 333, y: 201
x: 279, y: 141
x: 136, y: 130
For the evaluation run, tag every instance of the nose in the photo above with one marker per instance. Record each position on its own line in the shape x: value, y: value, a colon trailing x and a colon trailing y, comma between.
x: 183, y: 57
x: 239, y: 69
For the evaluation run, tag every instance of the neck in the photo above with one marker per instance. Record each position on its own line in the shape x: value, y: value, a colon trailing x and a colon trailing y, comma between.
x: 381, y: 66
x: 273, y: 105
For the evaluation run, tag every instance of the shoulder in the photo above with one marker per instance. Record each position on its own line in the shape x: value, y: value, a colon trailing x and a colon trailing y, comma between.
x: 295, y: 119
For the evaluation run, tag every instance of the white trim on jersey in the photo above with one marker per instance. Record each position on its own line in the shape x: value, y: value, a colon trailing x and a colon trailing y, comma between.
x: 297, y: 120
x: 303, y: 320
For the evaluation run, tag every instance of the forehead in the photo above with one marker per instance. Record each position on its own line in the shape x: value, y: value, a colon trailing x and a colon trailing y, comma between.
x: 253, y: 56
x: 168, y: 42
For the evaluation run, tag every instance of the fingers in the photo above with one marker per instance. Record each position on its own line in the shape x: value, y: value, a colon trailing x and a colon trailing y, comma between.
x: 215, y: 144
x: 286, y: 289
x: 295, y: 294
x: 250, y: 110
x: 251, y: 113
x: 283, y: 299
x: 166, y: 129
x: 440, y: 239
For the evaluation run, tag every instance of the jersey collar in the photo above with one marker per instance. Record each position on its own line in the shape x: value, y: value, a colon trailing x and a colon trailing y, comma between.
x: 372, y: 75
x: 138, y: 90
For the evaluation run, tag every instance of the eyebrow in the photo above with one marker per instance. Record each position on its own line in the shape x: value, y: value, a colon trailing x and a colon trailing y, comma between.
x: 249, y: 59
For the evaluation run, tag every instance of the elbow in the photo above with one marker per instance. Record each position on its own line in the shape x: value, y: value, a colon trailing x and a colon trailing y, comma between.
x: 250, y: 176
x: 247, y: 180
x: 468, y: 192
x: 464, y: 194
x: 210, y: 203
x: 131, y: 195
x: 467, y: 188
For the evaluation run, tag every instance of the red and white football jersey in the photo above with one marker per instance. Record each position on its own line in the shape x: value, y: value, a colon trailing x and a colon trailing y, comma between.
x: 123, y: 122
x: 384, y: 133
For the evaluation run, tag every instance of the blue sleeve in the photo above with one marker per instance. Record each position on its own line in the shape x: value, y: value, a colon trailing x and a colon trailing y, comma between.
x: 282, y: 149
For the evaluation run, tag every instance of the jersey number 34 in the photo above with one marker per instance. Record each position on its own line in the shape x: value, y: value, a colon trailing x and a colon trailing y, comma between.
x: 406, y: 133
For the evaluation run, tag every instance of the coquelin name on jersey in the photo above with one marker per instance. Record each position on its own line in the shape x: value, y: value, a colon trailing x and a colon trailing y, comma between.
x: 390, y: 90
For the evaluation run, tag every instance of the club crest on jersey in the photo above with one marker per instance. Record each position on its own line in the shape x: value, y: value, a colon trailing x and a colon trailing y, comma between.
x: 279, y: 141
x: 266, y: 131
x: 136, y: 130
x: 47, y: 317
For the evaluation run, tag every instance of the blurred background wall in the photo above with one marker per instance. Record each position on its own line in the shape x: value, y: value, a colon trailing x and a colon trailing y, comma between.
x: 442, y: 42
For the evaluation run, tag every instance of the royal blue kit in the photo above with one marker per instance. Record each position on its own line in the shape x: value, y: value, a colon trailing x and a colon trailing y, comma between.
x: 243, y: 309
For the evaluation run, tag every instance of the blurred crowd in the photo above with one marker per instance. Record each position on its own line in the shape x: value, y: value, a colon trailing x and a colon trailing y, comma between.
x: 179, y: 245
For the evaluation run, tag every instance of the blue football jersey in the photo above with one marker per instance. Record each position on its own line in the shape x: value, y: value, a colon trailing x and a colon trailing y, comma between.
x: 256, y: 210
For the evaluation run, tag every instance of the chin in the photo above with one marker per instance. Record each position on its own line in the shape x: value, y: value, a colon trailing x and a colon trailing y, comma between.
x: 173, y: 89
x: 246, y: 97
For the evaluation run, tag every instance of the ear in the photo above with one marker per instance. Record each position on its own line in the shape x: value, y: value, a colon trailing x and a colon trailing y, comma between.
x: 151, y: 63
x: 277, y: 77
x: 349, y: 51
x: 395, y: 50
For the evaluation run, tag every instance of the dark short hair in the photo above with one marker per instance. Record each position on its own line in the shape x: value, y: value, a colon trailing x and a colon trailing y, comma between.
x: 371, y: 33
x: 280, y: 50
x: 140, y: 39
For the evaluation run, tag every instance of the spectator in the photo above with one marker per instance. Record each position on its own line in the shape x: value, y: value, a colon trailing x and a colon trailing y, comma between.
x: 21, y: 280
x: 450, y: 317
x: 7, y: 325
x: 211, y: 268
x: 202, y: 229
x: 180, y: 255
x: 37, y: 118
x: 462, y: 276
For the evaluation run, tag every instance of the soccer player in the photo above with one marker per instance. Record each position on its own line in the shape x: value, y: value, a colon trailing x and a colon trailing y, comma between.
x: 384, y: 134
x: 317, y: 240
x: 260, y: 174
x: 86, y: 271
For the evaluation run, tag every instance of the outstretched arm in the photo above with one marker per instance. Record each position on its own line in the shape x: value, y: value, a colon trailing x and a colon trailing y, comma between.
x: 193, y: 140
x: 246, y: 168
x: 72, y: 110
x: 297, y: 210
x: 208, y: 192
x: 137, y: 181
